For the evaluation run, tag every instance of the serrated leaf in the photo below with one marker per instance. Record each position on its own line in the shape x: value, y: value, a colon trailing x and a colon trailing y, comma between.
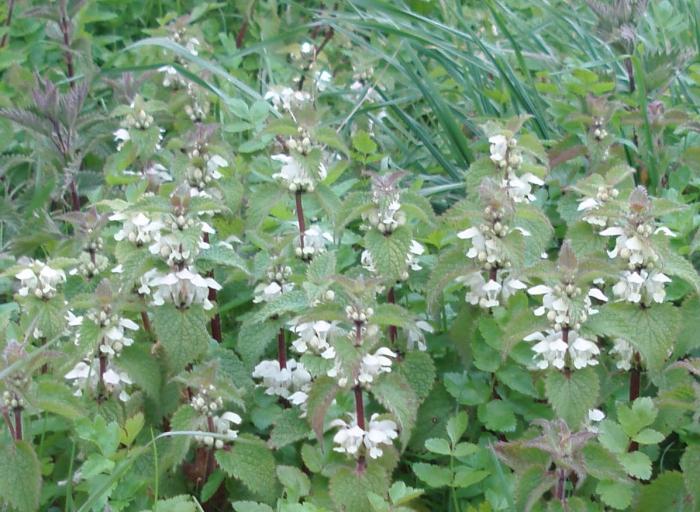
x: 438, y: 445
x: 321, y: 268
x: 397, y: 396
x: 572, y: 395
x: 666, y: 492
x: 465, y: 477
x: 291, y: 301
x: 457, y: 426
x: 690, y: 464
x: 142, y: 367
x: 389, y: 252
x: 182, y: 333
x: 294, y: 481
x: 219, y: 254
x: 641, y: 414
x: 20, y: 476
x: 531, y: 486
x: 467, y: 389
x: 498, y: 416
x: 601, y: 463
x: 322, y: 393
x: 260, y: 202
x: 288, y: 428
x: 348, y: 488
x: 252, y: 463
x: 132, y: 427
x: 400, y: 493
x: 649, y: 436
x: 617, y: 495
x: 57, y: 398
x: 612, y: 436
x: 251, y: 506
x: 419, y: 370
x: 253, y: 340
x: 433, y: 475
x: 637, y: 464
x: 391, y: 314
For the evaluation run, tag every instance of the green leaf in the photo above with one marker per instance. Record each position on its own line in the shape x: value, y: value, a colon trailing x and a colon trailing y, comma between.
x: 391, y: 314
x: 641, y: 414
x: 465, y: 477
x: 142, y: 367
x: 288, y: 428
x: 322, y: 393
x: 439, y: 446
x: 465, y: 449
x: 572, y: 395
x: 602, y: 464
x: 400, y: 493
x: 20, y: 476
x: 49, y: 316
x: 649, y: 436
x: 102, y: 434
x: 132, y: 427
x: 434, y: 476
x: 253, y: 340
x: 498, y: 416
x: 690, y: 464
x: 666, y: 492
x: 531, y: 486
x: 57, y: 398
x: 219, y: 254
x: 348, y: 488
x: 611, y: 435
x: 651, y: 330
x: 617, y: 495
x: 397, y: 396
x: 419, y: 370
x: 252, y: 463
x: 294, y: 481
x: 177, y: 504
x: 183, y: 334
x: 321, y: 268
x: 389, y: 252
x: 637, y: 464
x: 251, y: 506
x: 260, y: 202
x: 467, y: 389
x: 676, y: 265
x: 457, y: 426
x: 363, y: 143
x: 291, y: 301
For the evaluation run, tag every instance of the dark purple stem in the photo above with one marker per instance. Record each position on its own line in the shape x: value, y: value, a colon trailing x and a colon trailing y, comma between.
x: 391, y: 299
x: 281, y: 349
x: 18, y: 423
x: 300, y: 219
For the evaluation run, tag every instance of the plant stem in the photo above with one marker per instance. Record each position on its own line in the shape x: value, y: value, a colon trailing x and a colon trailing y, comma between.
x: 18, y: 423
x: 300, y: 219
x: 281, y: 349
x: 635, y: 386
x: 328, y: 37
x: 64, y: 25
x: 8, y: 422
x: 360, y: 414
x: 146, y: 322
x: 8, y: 21
x: 74, y: 197
x: 560, y: 490
x: 216, y: 319
x: 391, y: 299
x: 241, y: 33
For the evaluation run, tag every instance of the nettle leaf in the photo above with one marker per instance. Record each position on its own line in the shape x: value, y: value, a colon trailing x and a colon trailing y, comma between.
x: 322, y: 393
x: 572, y: 395
x: 57, y: 398
x: 389, y: 252
x: 418, y: 369
x: 451, y: 264
x: 48, y: 315
x: 651, y: 330
x: 531, y: 486
x: 251, y: 506
x: 175, y: 448
x: 260, y: 202
x: 355, y: 204
x: 688, y: 338
x: 535, y: 222
x: 690, y: 464
x: 633, y: 419
x: 251, y: 462
x: 394, y: 392
x: 142, y: 367
x: 253, y: 340
x: 602, y: 464
x: 666, y: 492
x: 219, y: 254
x: 291, y: 301
x: 328, y: 200
x: 288, y: 428
x: 676, y: 265
x: 321, y: 268
x: 417, y: 206
x: 20, y: 476
x: 183, y: 334
x: 348, y: 488
x: 392, y: 314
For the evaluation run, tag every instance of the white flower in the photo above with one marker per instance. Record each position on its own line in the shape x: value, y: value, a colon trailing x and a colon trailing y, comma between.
x: 40, y: 280
x: 595, y: 416
x: 487, y: 294
x: 121, y: 136
x: 498, y: 148
x: 582, y: 351
x: 416, y: 336
x: 560, y: 306
x: 349, y: 437
x: 294, y: 176
x: 73, y: 321
x: 266, y: 292
x: 550, y: 349
x: 641, y: 286
x: 286, y: 97
x: 634, y: 247
x: 222, y: 425
x: 414, y: 251
x: 520, y: 187
x: 367, y: 262
x: 183, y: 288
x: 137, y: 228
x: 306, y: 47
x: 322, y: 80
x: 623, y: 352
x: 315, y: 241
x: 86, y: 375
x: 485, y: 248
x: 114, y: 339
x: 313, y: 336
x: 380, y: 432
x: 283, y: 382
x: 374, y: 364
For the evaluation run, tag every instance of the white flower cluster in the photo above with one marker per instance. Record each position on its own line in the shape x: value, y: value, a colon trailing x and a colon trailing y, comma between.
x: 315, y: 242
x: 350, y: 437
x: 295, y: 175
x: 137, y: 119
x: 623, y: 352
x: 505, y: 155
x: 642, y: 282
x: 90, y: 261
x: 277, y: 284
x: 292, y: 382
x: 488, y: 251
x: 415, y: 251
x: 182, y: 288
x: 11, y: 400
x: 200, y: 176
x: 171, y: 76
x: 40, y: 280
x: 114, y: 327
x: 137, y: 227
x: 591, y: 205
x: 371, y: 366
x: 313, y: 337
x: 566, y: 308
x: 207, y: 402
x: 386, y: 215
x: 286, y: 97
x: 86, y: 375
